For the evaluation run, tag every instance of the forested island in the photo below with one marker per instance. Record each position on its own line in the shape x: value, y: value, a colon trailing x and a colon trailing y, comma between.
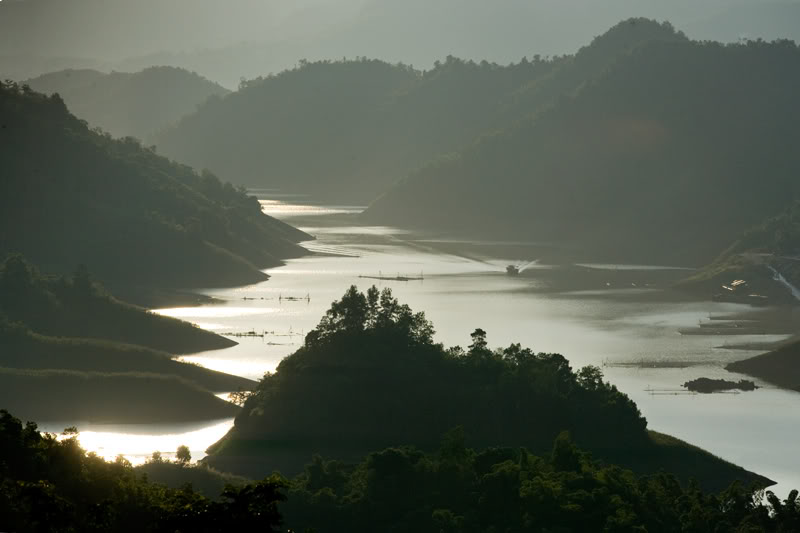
x: 371, y: 376
x: 708, y: 385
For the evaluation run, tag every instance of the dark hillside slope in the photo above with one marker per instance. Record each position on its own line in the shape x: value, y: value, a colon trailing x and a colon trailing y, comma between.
x: 70, y: 196
x: 69, y: 352
x: 304, y: 128
x: 24, y: 349
x: 128, y: 398
x: 74, y: 306
x: 126, y: 103
x: 676, y: 148
x: 780, y: 367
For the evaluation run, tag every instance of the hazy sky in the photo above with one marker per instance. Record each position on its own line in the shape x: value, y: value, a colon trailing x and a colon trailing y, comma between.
x: 230, y: 39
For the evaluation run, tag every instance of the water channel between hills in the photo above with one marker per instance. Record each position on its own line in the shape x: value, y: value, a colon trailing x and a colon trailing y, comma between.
x: 647, y: 344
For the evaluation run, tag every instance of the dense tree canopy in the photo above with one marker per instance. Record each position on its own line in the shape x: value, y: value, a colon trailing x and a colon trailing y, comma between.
x: 51, y: 485
x: 458, y: 489
x: 370, y: 376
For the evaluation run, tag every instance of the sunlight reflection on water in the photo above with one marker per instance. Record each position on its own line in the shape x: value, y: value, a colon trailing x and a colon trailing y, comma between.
x: 137, y: 442
x: 214, y: 311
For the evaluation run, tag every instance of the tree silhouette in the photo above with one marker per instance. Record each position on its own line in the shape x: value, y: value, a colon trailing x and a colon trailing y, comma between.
x: 183, y: 455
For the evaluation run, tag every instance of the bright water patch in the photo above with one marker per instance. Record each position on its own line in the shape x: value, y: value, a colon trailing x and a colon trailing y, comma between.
x: 214, y: 311
x: 137, y: 442
x: 281, y: 209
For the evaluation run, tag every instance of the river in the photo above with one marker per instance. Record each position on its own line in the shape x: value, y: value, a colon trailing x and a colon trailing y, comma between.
x: 641, y: 337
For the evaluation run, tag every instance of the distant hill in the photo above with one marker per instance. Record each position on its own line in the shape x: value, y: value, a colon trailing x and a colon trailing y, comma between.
x: 72, y: 196
x: 675, y: 148
x: 129, y: 104
x: 346, y: 130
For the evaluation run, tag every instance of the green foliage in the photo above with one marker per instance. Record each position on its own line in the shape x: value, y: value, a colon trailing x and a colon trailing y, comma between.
x: 183, y: 455
x: 370, y: 376
x: 50, y: 485
x: 376, y: 312
x: 503, y: 489
x: 73, y: 196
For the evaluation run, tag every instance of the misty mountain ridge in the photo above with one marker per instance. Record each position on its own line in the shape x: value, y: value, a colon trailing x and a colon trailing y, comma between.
x: 369, y: 123
x: 262, y: 37
x: 129, y: 104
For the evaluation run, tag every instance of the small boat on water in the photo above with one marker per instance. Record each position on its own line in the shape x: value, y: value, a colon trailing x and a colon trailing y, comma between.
x: 512, y: 270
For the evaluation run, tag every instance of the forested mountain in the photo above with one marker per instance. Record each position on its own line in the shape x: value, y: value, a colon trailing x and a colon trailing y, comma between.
x: 667, y: 156
x: 346, y: 130
x: 305, y: 128
x: 129, y: 104
x: 370, y: 376
x: 72, y: 196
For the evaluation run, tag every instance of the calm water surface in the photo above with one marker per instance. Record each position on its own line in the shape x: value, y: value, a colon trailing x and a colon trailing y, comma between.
x: 465, y: 287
